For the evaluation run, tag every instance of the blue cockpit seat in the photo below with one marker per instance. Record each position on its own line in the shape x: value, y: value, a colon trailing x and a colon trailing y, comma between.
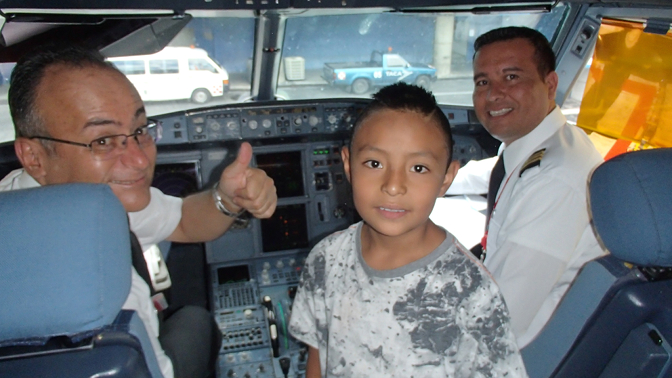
x: 616, y: 318
x: 65, y: 272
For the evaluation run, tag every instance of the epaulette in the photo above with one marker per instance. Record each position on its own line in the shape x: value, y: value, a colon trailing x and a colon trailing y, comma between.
x: 533, y: 161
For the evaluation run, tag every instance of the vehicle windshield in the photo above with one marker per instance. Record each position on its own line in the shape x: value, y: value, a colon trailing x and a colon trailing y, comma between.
x: 210, y: 62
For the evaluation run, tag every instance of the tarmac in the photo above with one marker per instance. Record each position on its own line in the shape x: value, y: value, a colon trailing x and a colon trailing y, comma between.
x: 240, y: 81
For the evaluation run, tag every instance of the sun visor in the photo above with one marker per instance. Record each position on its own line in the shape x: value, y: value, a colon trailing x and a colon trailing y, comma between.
x: 626, y: 95
x: 111, y: 34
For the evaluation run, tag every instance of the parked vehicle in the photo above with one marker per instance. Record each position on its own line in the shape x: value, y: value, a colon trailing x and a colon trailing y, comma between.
x: 175, y: 73
x: 383, y: 69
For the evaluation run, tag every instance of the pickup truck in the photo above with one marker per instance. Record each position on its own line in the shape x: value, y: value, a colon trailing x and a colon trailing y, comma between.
x: 383, y: 69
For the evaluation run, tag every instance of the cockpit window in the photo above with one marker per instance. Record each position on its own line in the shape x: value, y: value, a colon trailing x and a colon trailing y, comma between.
x: 210, y: 61
x: 6, y: 125
x: 184, y: 75
x: 351, y: 55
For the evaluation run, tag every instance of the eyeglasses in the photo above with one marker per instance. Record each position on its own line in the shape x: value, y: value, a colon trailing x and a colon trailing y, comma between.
x: 110, y: 146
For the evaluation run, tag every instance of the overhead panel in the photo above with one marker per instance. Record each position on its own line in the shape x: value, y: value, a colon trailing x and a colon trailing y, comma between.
x: 148, y: 4
x: 257, y: 4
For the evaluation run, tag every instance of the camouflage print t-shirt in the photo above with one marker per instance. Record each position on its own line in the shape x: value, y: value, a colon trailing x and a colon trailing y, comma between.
x: 440, y: 316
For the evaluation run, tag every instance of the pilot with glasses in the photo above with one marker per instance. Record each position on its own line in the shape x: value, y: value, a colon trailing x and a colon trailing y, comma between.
x: 78, y: 119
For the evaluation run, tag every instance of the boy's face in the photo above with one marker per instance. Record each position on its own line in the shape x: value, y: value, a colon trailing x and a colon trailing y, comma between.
x: 397, y: 167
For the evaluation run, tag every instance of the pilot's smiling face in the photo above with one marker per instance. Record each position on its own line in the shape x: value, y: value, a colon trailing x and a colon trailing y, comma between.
x: 82, y: 104
x: 510, y: 96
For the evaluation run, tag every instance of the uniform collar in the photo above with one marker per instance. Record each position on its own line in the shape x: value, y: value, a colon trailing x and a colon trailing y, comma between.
x: 521, y: 149
x: 27, y: 181
x: 18, y: 179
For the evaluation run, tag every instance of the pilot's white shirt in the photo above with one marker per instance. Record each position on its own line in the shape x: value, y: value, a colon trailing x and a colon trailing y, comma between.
x: 539, y: 234
x: 151, y: 225
x: 473, y: 178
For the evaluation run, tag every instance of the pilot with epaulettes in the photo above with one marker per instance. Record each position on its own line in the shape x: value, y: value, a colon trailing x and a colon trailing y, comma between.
x: 538, y: 233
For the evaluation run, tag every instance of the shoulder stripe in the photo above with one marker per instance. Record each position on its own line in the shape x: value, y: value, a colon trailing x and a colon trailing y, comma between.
x: 533, y: 161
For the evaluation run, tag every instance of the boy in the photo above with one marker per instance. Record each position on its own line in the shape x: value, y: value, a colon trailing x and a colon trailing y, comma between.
x: 396, y: 295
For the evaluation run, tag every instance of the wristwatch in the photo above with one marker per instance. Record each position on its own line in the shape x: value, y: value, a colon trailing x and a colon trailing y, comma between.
x: 220, y: 205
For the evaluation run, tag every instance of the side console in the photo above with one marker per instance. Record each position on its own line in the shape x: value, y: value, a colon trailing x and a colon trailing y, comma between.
x: 252, y: 303
x: 253, y: 289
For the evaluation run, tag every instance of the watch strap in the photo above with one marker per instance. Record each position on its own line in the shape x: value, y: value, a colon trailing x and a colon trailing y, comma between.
x: 220, y: 205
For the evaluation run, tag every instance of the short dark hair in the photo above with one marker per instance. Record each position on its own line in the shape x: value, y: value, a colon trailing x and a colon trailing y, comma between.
x: 543, y: 52
x: 410, y: 98
x: 28, y: 74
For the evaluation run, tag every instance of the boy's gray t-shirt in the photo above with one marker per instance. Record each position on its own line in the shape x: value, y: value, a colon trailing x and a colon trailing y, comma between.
x: 441, y: 315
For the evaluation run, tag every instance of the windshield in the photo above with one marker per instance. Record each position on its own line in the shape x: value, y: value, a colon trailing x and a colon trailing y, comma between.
x: 210, y: 62
x: 353, y: 55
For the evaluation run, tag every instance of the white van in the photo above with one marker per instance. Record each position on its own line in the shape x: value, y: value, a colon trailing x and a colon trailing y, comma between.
x: 175, y: 73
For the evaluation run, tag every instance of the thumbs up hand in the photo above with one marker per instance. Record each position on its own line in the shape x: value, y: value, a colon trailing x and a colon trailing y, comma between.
x: 245, y: 187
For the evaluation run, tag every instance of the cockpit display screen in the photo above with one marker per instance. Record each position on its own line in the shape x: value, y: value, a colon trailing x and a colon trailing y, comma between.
x: 231, y: 274
x: 285, y: 170
x: 286, y: 229
x: 177, y: 179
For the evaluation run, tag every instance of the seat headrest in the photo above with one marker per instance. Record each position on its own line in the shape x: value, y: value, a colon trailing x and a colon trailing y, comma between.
x: 65, y: 260
x: 631, y: 206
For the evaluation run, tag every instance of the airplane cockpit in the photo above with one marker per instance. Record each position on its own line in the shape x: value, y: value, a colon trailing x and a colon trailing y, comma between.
x: 291, y: 77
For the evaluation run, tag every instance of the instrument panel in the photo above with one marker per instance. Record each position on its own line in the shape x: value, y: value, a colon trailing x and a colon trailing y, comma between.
x: 258, y: 122
x: 255, y: 267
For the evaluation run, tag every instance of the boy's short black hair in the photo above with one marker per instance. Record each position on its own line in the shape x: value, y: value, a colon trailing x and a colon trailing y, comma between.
x: 543, y: 52
x: 411, y: 98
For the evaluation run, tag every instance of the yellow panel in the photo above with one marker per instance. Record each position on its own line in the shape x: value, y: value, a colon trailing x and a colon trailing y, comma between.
x: 628, y: 94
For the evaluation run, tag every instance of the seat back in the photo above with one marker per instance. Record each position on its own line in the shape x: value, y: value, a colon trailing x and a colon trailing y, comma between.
x: 65, y: 270
x: 616, y: 318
